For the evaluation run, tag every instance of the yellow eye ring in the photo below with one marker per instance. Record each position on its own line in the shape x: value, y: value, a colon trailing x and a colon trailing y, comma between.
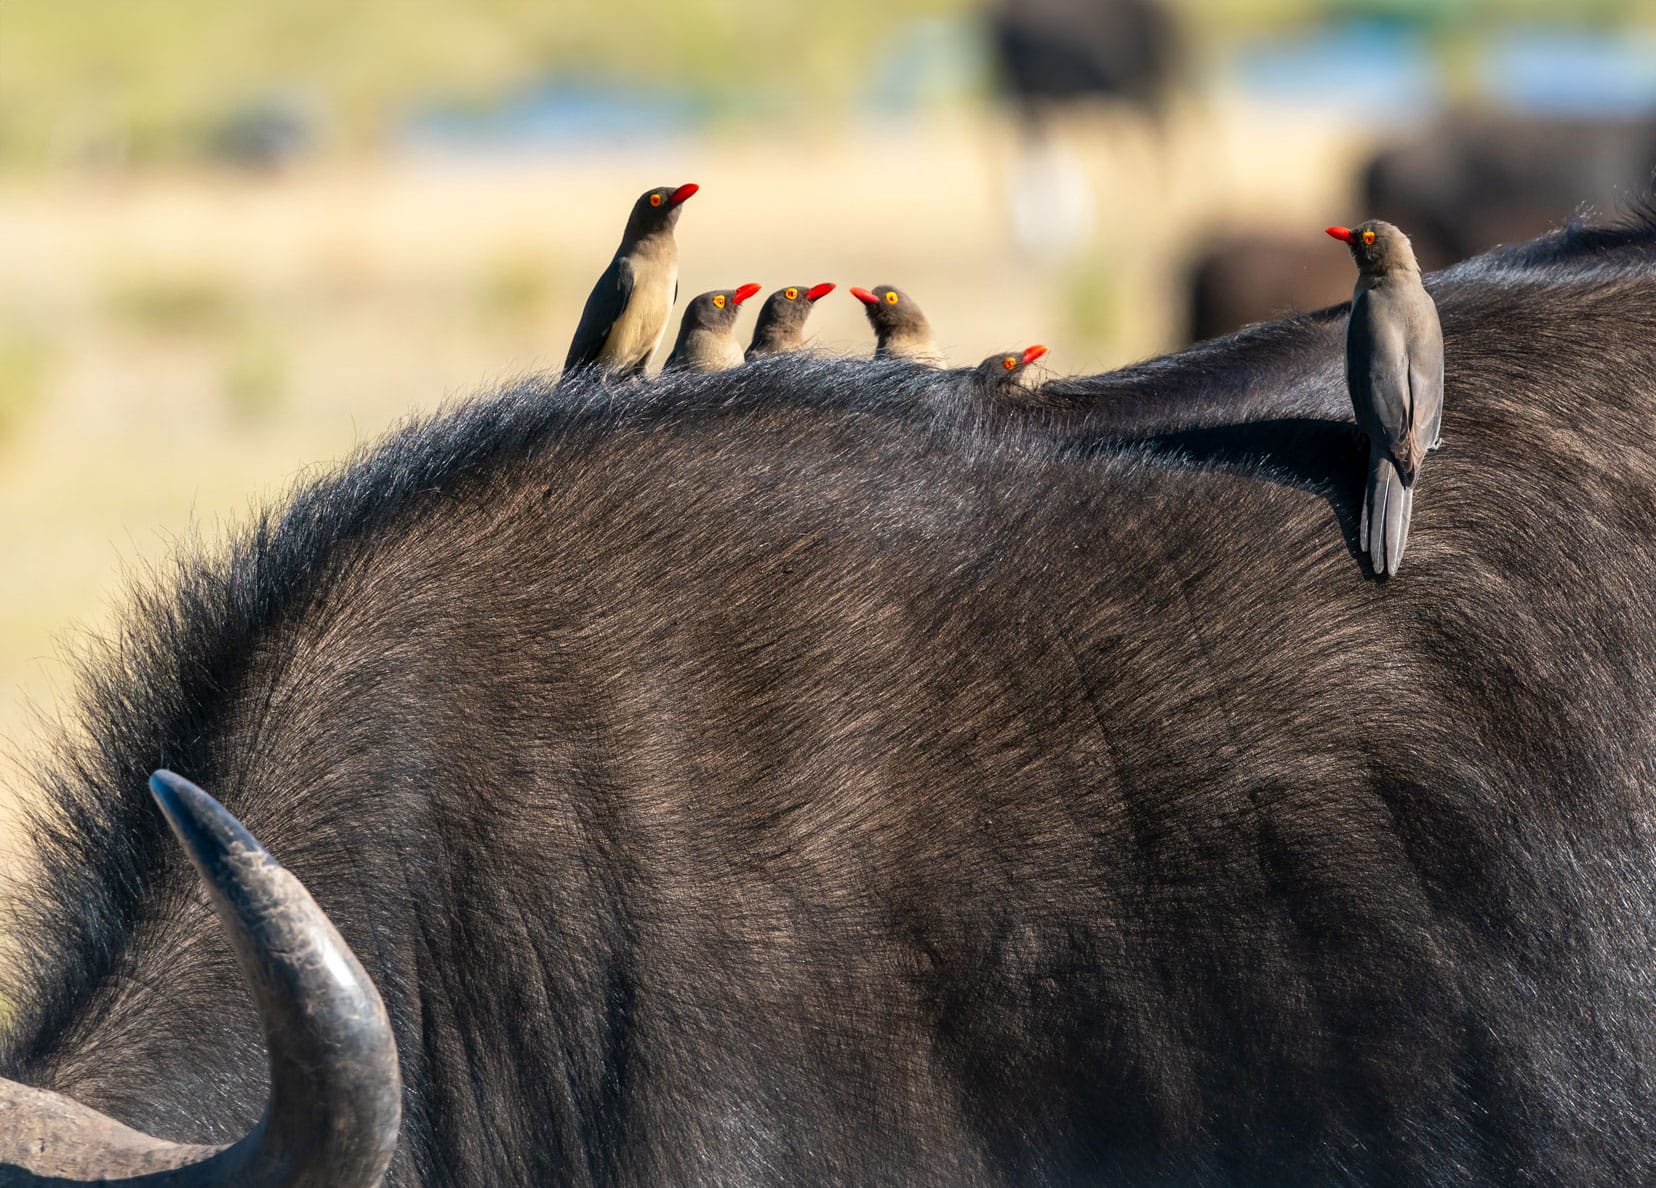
x: 1010, y: 363
x: 891, y: 298
x: 655, y: 199
x: 791, y: 294
x: 1368, y: 237
x: 718, y: 301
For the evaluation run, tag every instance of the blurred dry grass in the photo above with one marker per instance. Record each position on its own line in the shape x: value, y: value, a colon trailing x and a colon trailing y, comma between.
x: 175, y: 346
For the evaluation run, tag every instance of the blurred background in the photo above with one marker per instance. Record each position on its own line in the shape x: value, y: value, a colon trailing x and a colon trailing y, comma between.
x: 239, y: 238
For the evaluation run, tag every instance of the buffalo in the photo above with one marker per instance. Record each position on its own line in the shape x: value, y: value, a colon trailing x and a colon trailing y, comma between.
x: 813, y: 773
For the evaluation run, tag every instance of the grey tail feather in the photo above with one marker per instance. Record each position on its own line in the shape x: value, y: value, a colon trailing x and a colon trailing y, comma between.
x: 1405, y: 513
x: 1369, y: 494
x: 1387, y: 512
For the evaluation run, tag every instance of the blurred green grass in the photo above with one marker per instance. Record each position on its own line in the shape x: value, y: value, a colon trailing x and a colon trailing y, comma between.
x: 256, y: 379
x: 152, y: 75
x: 516, y: 288
x: 23, y: 366
x: 180, y: 303
x: 137, y: 81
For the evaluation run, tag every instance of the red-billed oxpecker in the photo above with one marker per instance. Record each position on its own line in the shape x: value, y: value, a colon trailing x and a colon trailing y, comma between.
x: 1006, y: 373
x: 707, y: 331
x: 900, y: 329
x: 781, y: 324
x: 626, y: 312
x: 1394, y: 372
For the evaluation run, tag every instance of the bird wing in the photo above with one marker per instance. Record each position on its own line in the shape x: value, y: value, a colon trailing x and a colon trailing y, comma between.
x: 1426, y: 371
x: 1378, y: 360
x: 636, y: 368
x: 604, y: 305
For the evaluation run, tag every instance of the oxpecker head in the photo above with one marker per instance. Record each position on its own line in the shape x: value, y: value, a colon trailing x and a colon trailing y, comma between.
x: 716, y: 310
x: 1010, y: 367
x: 658, y: 209
x: 1377, y: 246
x: 891, y: 311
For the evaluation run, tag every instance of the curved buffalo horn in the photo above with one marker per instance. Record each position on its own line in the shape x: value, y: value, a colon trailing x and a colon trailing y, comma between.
x: 335, y: 1095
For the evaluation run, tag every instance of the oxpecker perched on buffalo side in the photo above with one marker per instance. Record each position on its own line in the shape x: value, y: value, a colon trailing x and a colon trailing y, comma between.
x: 1394, y: 372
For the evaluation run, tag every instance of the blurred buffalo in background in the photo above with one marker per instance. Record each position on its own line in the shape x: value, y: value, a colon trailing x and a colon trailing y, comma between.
x: 1471, y: 180
x: 1460, y: 185
x: 1057, y: 55
x: 1251, y: 277
x: 1060, y: 51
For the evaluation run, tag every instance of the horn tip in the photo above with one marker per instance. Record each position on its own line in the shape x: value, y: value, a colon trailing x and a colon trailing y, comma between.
x: 205, y: 827
x: 178, y: 799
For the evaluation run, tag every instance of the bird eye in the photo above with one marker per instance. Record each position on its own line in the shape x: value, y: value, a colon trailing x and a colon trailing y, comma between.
x: 891, y: 298
x: 655, y: 199
x: 1010, y: 363
x: 718, y: 302
x: 791, y: 294
x: 1368, y: 237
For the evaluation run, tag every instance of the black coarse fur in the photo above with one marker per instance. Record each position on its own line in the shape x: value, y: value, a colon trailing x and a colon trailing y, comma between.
x: 803, y: 775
